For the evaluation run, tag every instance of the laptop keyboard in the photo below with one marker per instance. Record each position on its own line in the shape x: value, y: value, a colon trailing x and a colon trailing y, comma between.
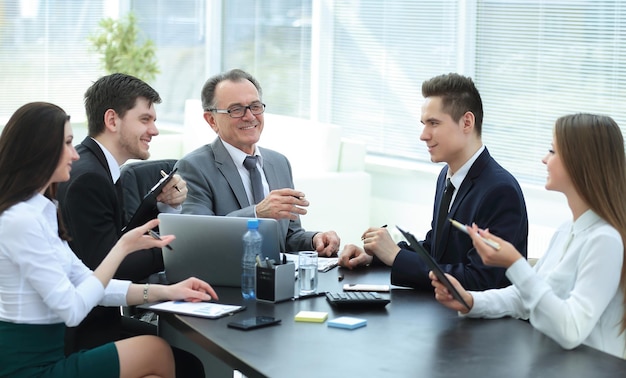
x: 352, y: 299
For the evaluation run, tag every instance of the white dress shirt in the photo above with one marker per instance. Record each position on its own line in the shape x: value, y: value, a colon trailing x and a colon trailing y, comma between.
x: 115, y: 171
x: 458, y: 176
x: 41, y: 279
x: 572, y: 294
x: 238, y: 157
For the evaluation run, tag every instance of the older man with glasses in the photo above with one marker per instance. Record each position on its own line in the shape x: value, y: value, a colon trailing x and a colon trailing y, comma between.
x: 233, y: 176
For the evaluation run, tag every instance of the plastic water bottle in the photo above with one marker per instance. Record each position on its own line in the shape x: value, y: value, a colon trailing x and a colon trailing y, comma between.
x: 252, y: 241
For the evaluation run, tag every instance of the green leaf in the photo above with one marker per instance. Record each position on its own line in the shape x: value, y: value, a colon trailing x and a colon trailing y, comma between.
x: 116, y: 41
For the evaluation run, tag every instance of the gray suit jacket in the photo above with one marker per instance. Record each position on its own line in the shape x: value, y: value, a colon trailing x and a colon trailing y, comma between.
x: 215, y: 188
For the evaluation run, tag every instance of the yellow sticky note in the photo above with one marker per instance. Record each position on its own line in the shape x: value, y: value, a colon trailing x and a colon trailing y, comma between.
x: 311, y: 316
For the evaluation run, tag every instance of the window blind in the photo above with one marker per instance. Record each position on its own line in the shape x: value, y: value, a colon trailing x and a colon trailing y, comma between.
x: 44, y: 54
x: 177, y: 29
x: 539, y: 60
x: 382, y: 53
x: 272, y: 41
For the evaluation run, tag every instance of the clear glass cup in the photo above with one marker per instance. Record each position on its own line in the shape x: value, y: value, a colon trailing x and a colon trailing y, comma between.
x: 307, y: 272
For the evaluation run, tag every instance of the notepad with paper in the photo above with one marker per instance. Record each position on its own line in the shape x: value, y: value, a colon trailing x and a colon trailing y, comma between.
x: 324, y: 264
x: 209, y: 310
x: 347, y: 322
x: 311, y: 316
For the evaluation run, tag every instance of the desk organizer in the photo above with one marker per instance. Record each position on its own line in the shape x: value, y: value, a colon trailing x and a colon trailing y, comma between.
x: 275, y: 284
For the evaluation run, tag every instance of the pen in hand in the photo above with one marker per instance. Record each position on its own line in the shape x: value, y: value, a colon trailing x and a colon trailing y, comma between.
x: 383, y: 226
x: 164, y: 175
x: 156, y: 235
x: 463, y: 228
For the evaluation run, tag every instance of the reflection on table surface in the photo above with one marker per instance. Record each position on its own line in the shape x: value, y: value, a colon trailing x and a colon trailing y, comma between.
x: 412, y: 336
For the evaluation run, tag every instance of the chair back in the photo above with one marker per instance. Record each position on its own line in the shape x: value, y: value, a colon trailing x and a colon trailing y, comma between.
x: 137, y: 179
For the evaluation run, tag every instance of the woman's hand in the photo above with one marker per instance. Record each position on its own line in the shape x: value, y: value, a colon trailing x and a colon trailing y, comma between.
x: 191, y: 290
x: 139, y: 238
x: 134, y: 240
x: 503, y: 257
x: 443, y: 296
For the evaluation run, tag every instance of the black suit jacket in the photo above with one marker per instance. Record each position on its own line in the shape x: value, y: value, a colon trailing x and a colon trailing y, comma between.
x: 489, y: 196
x: 93, y: 214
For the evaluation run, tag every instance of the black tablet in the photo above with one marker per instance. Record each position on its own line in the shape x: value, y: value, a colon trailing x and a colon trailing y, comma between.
x: 433, y: 265
x: 148, y: 205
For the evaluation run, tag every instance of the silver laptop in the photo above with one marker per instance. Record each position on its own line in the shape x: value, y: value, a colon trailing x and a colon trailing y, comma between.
x: 210, y: 247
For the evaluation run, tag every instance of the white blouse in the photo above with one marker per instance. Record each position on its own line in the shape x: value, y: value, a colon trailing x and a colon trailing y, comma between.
x: 41, y: 279
x: 572, y: 294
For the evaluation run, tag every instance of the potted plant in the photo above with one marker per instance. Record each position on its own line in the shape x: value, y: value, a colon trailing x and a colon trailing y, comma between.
x: 117, y: 43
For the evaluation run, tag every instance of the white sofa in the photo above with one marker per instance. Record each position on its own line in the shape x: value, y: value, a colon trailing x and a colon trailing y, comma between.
x: 329, y: 169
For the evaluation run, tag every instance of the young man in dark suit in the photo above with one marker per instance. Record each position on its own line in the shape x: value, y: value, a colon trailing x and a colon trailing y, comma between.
x: 220, y: 184
x: 484, y: 193
x: 121, y: 120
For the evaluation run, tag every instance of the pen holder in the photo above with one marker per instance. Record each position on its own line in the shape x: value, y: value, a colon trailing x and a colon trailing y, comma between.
x: 275, y: 284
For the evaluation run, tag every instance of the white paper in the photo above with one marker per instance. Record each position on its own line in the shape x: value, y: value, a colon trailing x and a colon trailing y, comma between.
x: 324, y: 264
x: 202, y: 309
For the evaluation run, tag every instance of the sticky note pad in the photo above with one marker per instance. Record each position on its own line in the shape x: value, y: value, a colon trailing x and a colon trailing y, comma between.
x: 311, y: 316
x: 347, y: 322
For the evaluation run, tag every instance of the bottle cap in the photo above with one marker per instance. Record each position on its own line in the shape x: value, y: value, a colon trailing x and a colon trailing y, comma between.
x: 253, y: 223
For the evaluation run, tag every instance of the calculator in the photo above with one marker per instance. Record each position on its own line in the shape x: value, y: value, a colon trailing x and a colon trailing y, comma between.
x: 353, y: 299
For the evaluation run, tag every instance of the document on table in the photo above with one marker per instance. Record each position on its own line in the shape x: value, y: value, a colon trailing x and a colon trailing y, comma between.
x: 201, y: 309
x: 324, y: 264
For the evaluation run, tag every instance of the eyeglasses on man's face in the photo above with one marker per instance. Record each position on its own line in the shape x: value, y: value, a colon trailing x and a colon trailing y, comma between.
x: 240, y: 111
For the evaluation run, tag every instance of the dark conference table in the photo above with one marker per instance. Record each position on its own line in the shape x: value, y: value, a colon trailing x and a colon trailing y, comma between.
x: 413, y: 336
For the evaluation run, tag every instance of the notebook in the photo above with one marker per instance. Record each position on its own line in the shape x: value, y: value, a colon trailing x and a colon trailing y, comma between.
x: 210, y: 247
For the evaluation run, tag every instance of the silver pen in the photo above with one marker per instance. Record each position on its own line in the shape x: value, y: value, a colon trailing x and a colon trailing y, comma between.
x: 463, y: 228
x: 156, y: 236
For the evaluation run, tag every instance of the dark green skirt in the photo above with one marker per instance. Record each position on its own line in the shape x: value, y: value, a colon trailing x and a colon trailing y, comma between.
x: 33, y: 350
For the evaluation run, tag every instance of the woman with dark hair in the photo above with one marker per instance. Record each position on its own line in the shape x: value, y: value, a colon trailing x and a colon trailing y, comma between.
x: 44, y: 286
x: 576, y: 293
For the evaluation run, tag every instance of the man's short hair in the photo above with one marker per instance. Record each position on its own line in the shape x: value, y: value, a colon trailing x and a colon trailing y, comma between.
x: 118, y: 92
x: 458, y: 96
x: 234, y: 75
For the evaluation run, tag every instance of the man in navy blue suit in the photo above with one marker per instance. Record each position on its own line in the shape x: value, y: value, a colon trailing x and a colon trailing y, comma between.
x: 483, y: 193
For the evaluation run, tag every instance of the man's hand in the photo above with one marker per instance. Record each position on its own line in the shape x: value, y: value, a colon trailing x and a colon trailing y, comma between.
x: 174, y: 193
x: 353, y: 256
x: 326, y: 243
x: 282, y: 203
x: 377, y: 241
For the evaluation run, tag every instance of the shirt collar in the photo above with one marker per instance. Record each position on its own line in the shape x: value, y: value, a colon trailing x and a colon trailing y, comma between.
x: 114, y: 168
x: 586, y: 220
x: 46, y: 206
x: 239, y: 156
x: 459, y: 175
